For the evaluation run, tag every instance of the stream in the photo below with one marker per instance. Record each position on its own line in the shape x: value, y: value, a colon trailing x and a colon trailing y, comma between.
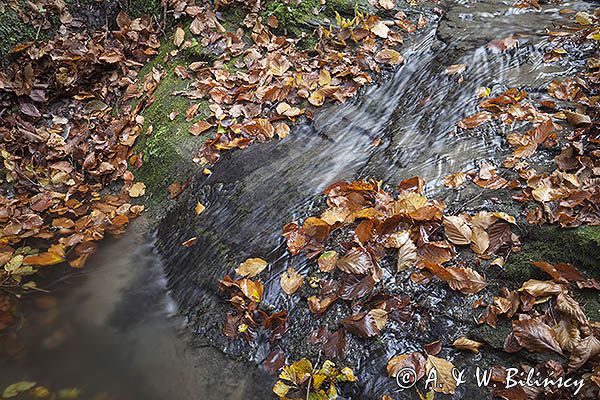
x: 143, y: 320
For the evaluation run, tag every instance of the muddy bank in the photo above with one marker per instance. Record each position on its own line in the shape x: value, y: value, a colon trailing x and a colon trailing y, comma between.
x: 412, y: 113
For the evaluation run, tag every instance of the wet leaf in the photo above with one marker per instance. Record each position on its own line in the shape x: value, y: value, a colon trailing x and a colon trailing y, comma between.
x: 414, y: 361
x: 291, y: 281
x: 54, y: 255
x: 475, y: 120
x: 465, y: 280
x: 199, y: 208
x: 327, y: 261
x: 251, y: 289
x: 455, y: 180
x: 367, y: 324
x: 389, y: 56
x: 456, y: 69
x: 16, y: 388
x: 190, y: 242
x: 463, y: 343
x: 356, y: 261
x: 251, y: 267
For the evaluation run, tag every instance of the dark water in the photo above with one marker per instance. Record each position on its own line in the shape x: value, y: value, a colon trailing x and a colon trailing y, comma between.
x: 135, y: 327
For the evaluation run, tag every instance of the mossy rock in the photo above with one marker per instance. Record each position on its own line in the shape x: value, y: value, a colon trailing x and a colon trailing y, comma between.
x: 166, y: 145
x: 577, y: 246
x: 298, y: 19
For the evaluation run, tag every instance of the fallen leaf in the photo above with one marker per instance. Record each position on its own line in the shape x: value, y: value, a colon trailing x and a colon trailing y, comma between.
x: 327, y: 261
x: 199, y: 208
x: 178, y: 37
x: 457, y: 230
x: 367, y: 324
x: 534, y: 335
x: 463, y: 343
x: 291, y: 281
x: 251, y: 267
x: 445, y: 382
x: 138, y: 189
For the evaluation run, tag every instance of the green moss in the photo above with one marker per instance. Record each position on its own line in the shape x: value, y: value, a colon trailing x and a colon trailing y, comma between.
x: 167, y: 151
x: 14, y: 31
x: 293, y: 15
x: 578, y: 246
x: 137, y: 8
x: 233, y: 17
x: 169, y: 146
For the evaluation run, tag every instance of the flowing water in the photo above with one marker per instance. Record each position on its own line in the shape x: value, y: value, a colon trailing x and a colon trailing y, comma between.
x: 134, y: 327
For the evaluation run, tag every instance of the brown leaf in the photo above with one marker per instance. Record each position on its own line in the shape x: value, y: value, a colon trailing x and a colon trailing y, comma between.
x: 199, y: 127
x: 356, y: 261
x: 367, y: 324
x: 353, y: 287
x: 291, y: 281
x: 568, y: 306
x: 561, y: 273
x: 455, y: 180
x: 138, y: 189
x: 541, y: 288
x: 566, y: 334
x: 577, y: 119
x: 463, y: 343
x: 334, y: 345
x: 178, y: 36
x: 54, y: 255
x: 457, y: 229
x: 413, y: 361
x: 389, y: 56
x: 464, y: 280
x: 534, y: 335
x: 327, y: 261
x: 455, y: 69
x: 583, y: 351
x: 475, y: 120
x: 251, y: 289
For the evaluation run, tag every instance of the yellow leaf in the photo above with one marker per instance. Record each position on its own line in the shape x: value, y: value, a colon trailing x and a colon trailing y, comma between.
x: 291, y: 281
x: 463, y: 343
x: 54, y: 255
x: 138, y: 189
x: 445, y: 382
x: 199, y: 209
x: 251, y: 267
x: 16, y: 388
x: 281, y: 389
x: 178, y: 36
